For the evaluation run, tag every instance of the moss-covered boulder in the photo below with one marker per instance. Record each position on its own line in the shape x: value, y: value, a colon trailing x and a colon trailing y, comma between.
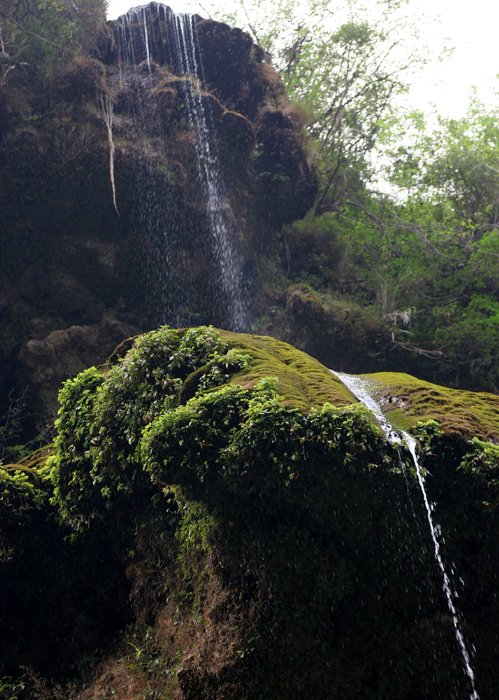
x: 60, y: 597
x: 274, y: 544
x: 408, y: 401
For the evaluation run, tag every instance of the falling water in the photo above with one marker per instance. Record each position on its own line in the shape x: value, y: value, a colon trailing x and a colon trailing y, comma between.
x: 154, y: 216
x: 179, y: 48
x: 146, y: 38
x: 360, y: 389
x: 200, y: 117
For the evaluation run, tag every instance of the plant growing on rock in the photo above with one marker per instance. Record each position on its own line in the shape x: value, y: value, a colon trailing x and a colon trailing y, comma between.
x: 253, y: 509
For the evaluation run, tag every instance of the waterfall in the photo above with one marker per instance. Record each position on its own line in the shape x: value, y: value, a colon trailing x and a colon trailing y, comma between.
x: 360, y: 389
x: 210, y: 172
x: 146, y: 38
x: 154, y: 207
x: 172, y: 39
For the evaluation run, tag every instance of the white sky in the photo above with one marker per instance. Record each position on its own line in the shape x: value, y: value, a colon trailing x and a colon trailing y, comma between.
x: 469, y: 27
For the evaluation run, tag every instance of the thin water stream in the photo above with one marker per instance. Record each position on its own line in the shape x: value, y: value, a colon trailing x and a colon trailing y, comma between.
x: 176, y: 42
x: 209, y: 166
x: 361, y: 390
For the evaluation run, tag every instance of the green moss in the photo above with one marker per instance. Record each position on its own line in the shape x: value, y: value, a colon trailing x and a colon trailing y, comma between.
x: 183, y: 406
x: 244, y: 507
x: 302, y: 381
x: 482, y: 462
x: 407, y: 401
x: 196, y: 524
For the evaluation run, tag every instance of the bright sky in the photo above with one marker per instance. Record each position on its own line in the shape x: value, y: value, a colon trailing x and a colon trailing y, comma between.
x: 469, y: 27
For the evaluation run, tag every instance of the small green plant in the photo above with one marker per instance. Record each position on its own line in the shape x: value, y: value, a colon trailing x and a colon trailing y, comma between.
x: 167, y: 174
x: 13, y: 688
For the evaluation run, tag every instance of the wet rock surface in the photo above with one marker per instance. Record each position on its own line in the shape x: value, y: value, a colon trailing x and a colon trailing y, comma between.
x: 68, y: 257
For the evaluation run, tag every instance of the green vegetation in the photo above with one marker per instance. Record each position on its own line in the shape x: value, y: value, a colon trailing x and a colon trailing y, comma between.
x: 342, y: 64
x: 169, y: 406
x: 208, y: 409
x: 423, y: 268
x: 36, y: 35
x: 60, y: 597
x: 482, y: 461
x: 222, y: 497
x: 407, y: 401
x: 207, y: 478
x: 415, y: 264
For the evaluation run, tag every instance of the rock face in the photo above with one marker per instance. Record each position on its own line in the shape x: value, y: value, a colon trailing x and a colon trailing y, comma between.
x: 49, y: 360
x: 271, y: 542
x: 68, y: 257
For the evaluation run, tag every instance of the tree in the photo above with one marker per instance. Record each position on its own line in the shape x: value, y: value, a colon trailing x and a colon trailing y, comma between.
x: 455, y: 166
x: 343, y: 64
x: 427, y: 260
x: 37, y: 34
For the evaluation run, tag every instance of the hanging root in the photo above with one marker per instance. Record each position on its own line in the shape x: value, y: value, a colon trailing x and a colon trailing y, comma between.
x: 107, y: 114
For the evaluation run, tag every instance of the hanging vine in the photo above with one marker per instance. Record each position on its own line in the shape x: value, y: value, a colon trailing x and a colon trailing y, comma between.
x: 106, y: 106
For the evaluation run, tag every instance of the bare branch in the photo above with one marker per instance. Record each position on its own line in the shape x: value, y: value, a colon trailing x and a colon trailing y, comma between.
x: 106, y: 106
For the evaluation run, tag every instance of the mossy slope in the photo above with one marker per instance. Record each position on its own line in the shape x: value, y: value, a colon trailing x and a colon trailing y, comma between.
x: 266, y: 537
x: 303, y: 382
x: 407, y: 401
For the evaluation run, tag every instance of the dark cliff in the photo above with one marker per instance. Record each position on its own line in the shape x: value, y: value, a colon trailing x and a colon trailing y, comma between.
x: 77, y: 277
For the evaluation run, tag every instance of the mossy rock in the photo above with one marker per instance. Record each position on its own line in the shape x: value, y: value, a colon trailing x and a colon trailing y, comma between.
x: 303, y: 382
x: 179, y: 393
x: 82, y: 78
x: 268, y: 536
x: 407, y: 401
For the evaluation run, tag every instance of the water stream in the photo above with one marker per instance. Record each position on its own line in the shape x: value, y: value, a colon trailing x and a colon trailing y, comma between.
x: 146, y: 38
x: 172, y: 39
x: 361, y: 390
x: 209, y: 167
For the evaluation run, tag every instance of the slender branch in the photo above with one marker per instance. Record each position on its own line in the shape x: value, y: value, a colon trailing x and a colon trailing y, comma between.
x: 330, y: 181
x: 39, y: 36
x: 430, y: 354
x: 250, y: 25
x: 107, y: 114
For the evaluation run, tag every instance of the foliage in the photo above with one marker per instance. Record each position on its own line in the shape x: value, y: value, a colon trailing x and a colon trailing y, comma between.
x: 39, y: 568
x: 343, y: 65
x: 470, y: 339
x: 21, y: 496
x: 194, y: 537
x: 482, y: 461
x: 35, y: 35
x: 455, y: 165
x: 450, y: 177
x: 253, y: 477
x: 164, y: 412
x: 185, y: 462
x: 423, y: 264
x: 423, y: 256
x: 101, y: 421
x: 73, y: 437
